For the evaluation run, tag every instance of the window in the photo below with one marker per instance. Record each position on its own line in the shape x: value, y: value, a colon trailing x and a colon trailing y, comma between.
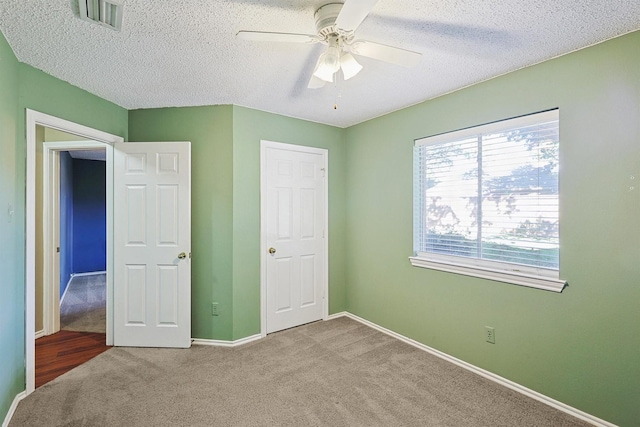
x: 486, y: 201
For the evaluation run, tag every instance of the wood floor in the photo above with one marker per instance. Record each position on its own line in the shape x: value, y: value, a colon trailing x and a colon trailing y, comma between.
x: 63, y: 351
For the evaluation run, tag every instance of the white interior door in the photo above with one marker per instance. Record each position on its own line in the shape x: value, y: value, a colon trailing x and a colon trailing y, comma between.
x: 152, y: 244
x: 294, y: 238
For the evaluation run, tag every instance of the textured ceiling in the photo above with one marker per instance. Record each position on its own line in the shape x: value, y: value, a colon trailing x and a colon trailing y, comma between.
x: 185, y: 53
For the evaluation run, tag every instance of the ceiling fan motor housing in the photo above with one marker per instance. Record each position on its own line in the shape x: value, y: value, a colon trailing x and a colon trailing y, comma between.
x: 326, y: 19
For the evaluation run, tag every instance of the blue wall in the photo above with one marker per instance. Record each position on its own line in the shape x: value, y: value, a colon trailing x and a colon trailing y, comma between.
x: 66, y: 220
x: 89, y: 216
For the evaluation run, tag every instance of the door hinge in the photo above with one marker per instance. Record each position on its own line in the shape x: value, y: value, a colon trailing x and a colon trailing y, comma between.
x: 58, y: 249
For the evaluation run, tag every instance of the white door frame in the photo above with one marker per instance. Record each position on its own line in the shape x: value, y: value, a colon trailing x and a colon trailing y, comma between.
x: 33, y: 119
x: 51, y: 226
x: 264, y: 145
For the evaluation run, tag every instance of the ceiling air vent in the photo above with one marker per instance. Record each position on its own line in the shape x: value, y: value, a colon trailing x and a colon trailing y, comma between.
x: 107, y: 13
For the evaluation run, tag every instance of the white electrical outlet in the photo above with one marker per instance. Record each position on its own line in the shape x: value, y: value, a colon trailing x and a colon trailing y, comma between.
x: 490, y: 334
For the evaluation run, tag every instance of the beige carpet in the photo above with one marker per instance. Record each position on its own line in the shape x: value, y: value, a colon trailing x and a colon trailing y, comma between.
x: 334, y: 373
x: 84, y: 307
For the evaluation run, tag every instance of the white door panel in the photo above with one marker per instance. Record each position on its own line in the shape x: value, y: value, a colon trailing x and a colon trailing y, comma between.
x: 152, y: 244
x: 295, y: 211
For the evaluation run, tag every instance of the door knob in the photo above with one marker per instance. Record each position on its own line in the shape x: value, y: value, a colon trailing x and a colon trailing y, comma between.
x: 272, y: 251
x: 182, y: 255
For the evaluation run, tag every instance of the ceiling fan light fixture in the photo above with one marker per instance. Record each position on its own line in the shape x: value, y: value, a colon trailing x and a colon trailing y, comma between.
x: 350, y: 67
x: 328, y: 64
x: 324, y: 74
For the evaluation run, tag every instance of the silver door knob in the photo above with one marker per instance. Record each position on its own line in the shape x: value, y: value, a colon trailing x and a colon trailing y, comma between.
x: 182, y: 255
x: 272, y: 251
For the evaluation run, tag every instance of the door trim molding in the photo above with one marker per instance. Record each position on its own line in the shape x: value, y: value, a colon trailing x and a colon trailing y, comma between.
x: 33, y: 119
x: 264, y: 145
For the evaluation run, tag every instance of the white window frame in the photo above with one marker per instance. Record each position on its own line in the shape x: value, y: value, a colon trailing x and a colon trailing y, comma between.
x: 540, y: 278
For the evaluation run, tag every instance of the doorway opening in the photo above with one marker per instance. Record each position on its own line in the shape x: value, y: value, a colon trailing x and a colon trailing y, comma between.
x: 71, y: 271
x: 72, y: 311
x: 43, y: 232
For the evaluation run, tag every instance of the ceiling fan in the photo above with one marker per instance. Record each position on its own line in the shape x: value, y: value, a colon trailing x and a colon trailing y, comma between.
x: 336, y: 24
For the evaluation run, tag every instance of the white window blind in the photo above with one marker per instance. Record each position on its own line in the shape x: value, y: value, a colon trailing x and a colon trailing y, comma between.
x: 487, y: 197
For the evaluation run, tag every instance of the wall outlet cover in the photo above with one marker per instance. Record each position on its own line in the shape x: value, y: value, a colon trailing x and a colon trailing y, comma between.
x: 490, y: 334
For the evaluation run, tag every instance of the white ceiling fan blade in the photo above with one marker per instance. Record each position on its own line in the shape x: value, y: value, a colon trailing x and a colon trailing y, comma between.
x: 381, y: 52
x: 316, y: 83
x: 353, y: 13
x: 263, y: 36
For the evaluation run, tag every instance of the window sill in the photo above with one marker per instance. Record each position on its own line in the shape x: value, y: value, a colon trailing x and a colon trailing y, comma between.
x: 538, y: 282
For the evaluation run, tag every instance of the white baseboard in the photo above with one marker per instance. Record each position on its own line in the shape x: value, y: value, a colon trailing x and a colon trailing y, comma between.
x: 12, y: 408
x: 39, y: 334
x: 484, y: 373
x: 223, y: 343
x: 66, y: 289
x: 89, y: 273
x: 341, y: 314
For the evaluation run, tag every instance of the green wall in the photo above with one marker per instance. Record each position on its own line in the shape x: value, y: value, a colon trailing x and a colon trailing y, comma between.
x: 226, y: 205
x: 46, y: 94
x: 210, y: 130
x: 11, y: 235
x: 579, y: 347
x: 22, y: 87
x: 249, y: 127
